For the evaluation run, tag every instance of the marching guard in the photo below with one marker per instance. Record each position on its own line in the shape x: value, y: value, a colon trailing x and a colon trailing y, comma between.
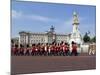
x: 74, y: 49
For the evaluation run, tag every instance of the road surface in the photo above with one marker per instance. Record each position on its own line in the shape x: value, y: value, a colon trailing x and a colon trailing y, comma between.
x: 40, y: 64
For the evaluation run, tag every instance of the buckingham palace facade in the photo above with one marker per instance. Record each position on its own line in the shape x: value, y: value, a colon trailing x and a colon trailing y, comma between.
x: 46, y: 37
x: 51, y: 36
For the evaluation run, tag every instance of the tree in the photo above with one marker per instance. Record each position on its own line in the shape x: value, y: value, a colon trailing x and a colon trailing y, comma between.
x: 93, y: 39
x: 86, y: 38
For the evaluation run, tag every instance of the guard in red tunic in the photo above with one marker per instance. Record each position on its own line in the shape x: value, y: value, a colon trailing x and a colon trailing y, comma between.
x: 36, y: 49
x: 27, y: 50
x: 46, y: 49
x: 43, y: 49
x: 67, y: 52
x: 52, y: 50
x: 61, y: 49
x: 49, y: 50
x: 55, y: 49
x: 21, y: 50
x: 58, y: 49
x: 64, y: 49
x: 74, y: 49
x: 33, y: 50
x: 16, y: 51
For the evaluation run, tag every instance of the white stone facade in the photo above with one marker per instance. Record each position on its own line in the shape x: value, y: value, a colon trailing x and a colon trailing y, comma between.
x: 34, y: 38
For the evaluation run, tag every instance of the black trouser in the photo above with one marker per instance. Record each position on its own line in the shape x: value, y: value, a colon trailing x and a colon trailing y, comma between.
x: 43, y: 52
x: 16, y: 52
x: 47, y: 53
x: 33, y: 53
x: 56, y: 53
x: 61, y: 52
x: 38, y: 52
x: 27, y: 52
x: 51, y: 53
x: 21, y: 52
x: 67, y: 52
x: 74, y: 52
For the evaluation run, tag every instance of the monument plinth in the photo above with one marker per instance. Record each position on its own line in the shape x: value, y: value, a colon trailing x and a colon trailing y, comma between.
x: 75, y: 35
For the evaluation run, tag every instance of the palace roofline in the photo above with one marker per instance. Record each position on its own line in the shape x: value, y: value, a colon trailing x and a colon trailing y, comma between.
x: 42, y: 33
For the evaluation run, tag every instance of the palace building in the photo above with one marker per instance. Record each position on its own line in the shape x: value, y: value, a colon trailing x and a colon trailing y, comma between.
x: 51, y: 35
x: 47, y: 37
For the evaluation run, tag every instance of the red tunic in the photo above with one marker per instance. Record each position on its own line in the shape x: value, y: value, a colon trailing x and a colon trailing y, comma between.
x: 61, y: 47
x: 33, y: 48
x: 74, y: 47
x: 65, y: 48
x: 51, y: 48
x: 13, y: 49
x: 57, y: 48
x: 54, y: 48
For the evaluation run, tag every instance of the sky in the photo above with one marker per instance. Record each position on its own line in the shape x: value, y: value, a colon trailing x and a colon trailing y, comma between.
x: 39, y: 17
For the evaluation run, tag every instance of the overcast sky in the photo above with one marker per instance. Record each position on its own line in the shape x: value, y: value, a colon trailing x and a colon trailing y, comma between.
x: 38, y: 17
